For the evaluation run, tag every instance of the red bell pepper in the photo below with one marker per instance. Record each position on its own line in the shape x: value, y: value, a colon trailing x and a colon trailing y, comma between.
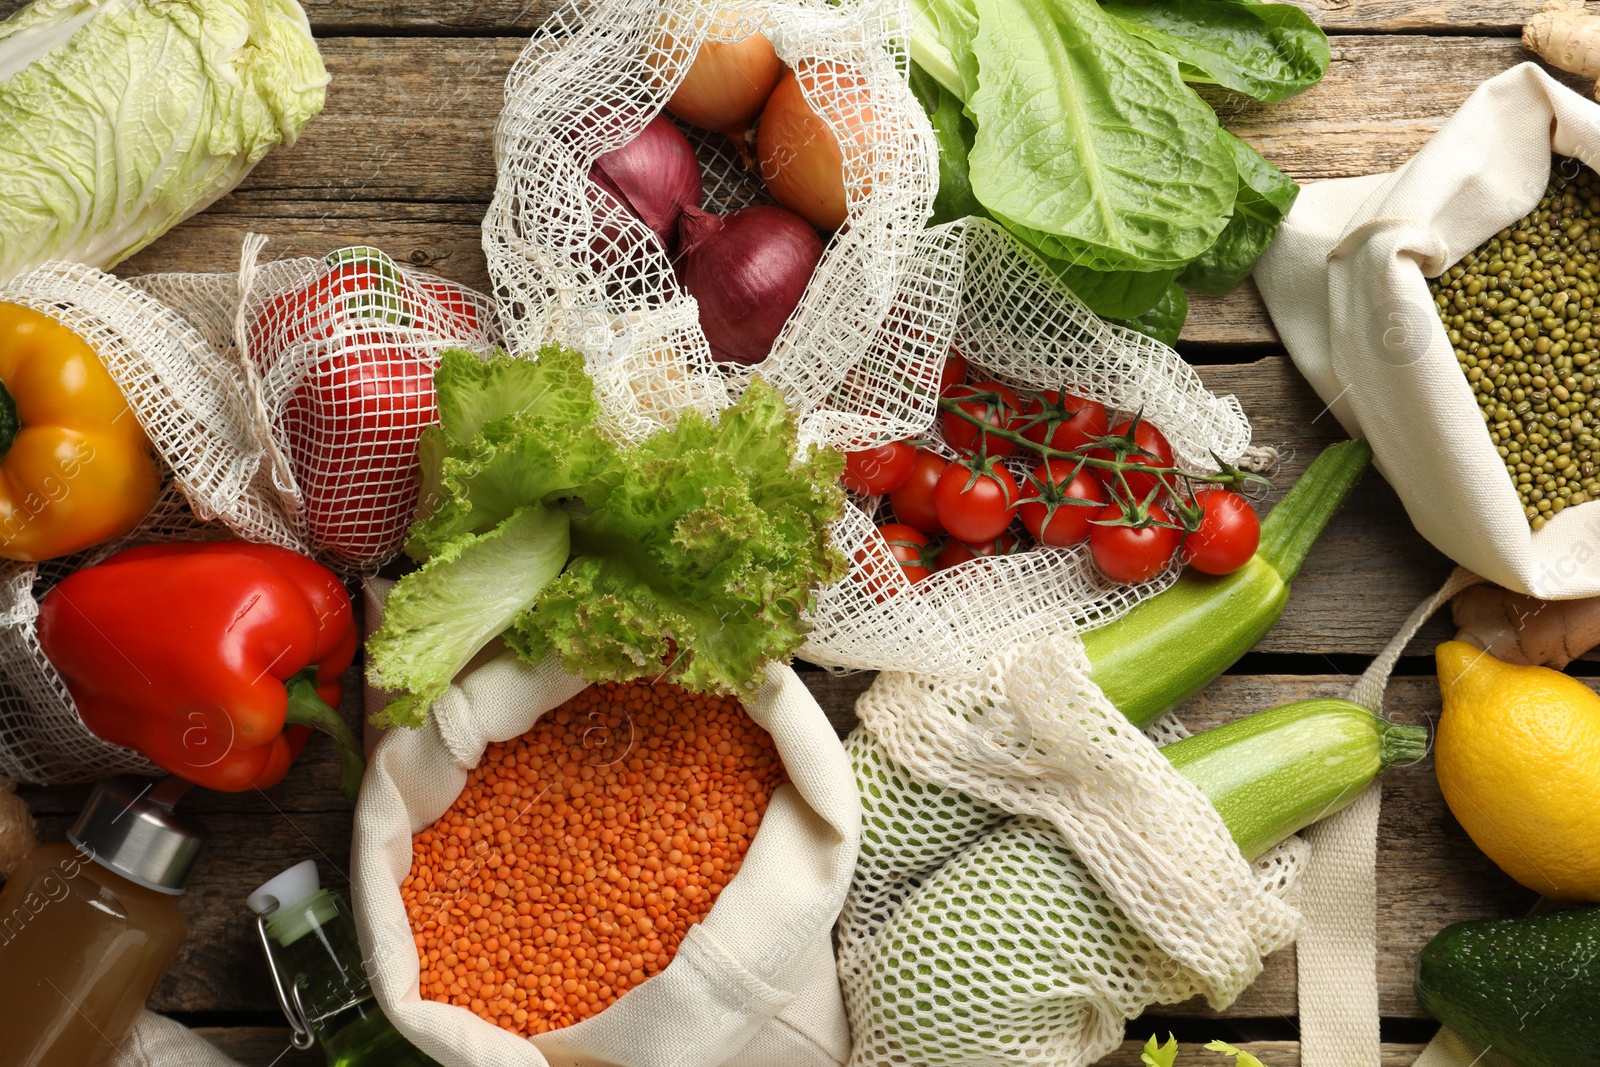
x: 214, y: 660
x: 364, y: 337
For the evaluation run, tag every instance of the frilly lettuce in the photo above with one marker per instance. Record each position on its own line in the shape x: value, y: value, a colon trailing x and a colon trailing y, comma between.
x: 693, y: 554
x: 121, y: 118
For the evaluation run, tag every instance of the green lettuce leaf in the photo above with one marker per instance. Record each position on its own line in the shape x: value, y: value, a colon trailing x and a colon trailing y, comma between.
x: 121, y: 118
x: 954, y: 132
x: 437, y: 618
x: 1089, y: 144
x: 1165, y: 321
x: 697, y: 562
x: 691, y: 555
x: 1120, y: 294
x: 1265, y: 196
x: 1268, y: 52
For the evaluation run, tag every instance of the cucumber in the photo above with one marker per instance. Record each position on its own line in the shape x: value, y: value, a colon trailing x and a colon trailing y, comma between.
x: 1529, y: 988
x: 1169, y: 647
x: 1278, y: 771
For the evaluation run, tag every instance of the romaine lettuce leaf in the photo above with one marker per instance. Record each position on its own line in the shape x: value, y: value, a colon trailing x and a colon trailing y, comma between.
x: 1264, y: 198
x: 121, y: 118
x: 1164, y: 322
x: 1089, y: 144
x: 1268, y: 52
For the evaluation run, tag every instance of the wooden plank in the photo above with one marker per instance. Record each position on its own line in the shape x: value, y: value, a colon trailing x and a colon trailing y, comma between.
x: 1270, y: 1053
x: 330, y: 17
x: 256, y: 1046
x: 1430, y: 874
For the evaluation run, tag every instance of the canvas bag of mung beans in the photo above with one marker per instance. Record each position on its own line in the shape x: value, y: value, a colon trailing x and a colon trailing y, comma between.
x: 753, y: 984
x: 1347, y: 283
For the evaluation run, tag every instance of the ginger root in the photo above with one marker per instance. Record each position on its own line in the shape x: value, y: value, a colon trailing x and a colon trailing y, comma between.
x: 1515, y: 628
x: 1565, y: 37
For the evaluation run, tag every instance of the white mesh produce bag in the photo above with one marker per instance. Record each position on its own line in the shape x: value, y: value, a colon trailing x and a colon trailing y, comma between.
x: 752, y: 985
x: 1033, y: 873
x: 191, y: 401
x: 572, y: 266
x: 972, y: 287
x: 338, y: 356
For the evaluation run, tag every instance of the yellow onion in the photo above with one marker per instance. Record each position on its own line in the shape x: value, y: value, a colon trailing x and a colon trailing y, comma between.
x: 798, y: 155
x: 727, y: 85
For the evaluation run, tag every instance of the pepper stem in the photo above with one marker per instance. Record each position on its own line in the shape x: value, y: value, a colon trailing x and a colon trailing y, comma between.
x: 10, y: 422
x: 306, y: 708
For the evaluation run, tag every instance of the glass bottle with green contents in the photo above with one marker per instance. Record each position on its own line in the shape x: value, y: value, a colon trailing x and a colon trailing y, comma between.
x: 310, y: 940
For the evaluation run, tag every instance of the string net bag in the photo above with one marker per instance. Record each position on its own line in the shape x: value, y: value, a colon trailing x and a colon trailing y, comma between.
x: 1033, y: 873
x: 192, y: 403
x: 337, y: 358
x: 972, y: 289
x: 571, y: 264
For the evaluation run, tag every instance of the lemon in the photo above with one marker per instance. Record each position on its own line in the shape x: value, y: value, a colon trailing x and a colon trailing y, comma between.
x: 1518, y: 760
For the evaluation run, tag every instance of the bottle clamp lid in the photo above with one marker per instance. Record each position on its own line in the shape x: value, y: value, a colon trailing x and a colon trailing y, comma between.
x: 291, y: 887
x: 128, y: 826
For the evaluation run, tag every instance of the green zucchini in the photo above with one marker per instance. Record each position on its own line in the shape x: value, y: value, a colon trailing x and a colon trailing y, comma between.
x: 1278, y: 771
x: 1172, y: 645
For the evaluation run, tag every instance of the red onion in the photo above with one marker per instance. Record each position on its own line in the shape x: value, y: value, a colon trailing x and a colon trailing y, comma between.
x: 655, y: 176
x: 747, y: 270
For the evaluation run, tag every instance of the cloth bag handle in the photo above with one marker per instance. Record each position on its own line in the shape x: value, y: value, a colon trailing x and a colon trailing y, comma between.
x: 1338, y: 945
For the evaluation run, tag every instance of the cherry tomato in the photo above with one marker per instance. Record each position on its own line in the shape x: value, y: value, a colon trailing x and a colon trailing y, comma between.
x: 962, y: 435
x: 979, y: 511
x: 908, y: 546
x: 1228, y: 535
x: 1054, y: 482
x: 913, y: 500
x: 1064, y: 421
x: 1126, y: 554
x: 1152, y: 441
x: 875, y: 471
x: 955, y: 371
x: 955, y: 552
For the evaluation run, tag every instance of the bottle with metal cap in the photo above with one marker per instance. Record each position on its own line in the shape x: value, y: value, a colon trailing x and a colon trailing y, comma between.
x: 89, y: 926
x: 309, y: 937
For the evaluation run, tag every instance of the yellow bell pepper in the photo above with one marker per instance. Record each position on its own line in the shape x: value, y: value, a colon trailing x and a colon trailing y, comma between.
x: 75, y: 466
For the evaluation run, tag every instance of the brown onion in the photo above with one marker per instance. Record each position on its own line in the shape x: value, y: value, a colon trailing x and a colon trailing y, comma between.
x: 727, y: 85
x: 655, y: 176
x: 747, y: 270
x: 799, y: 157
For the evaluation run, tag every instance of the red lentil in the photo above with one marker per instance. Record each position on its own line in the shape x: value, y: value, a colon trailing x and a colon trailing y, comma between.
x: 579, y: 854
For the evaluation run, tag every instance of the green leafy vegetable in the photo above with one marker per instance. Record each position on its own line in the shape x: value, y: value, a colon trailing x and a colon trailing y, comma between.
x: 1264, y: 198
x: 1121, y: 294
x: 1244, y: 1058
x: 1088, y: 142
x: 1164, y: 322
x: 1155, y: 1055
x: 690, y: 556
x: 954, y: 131
x: 1268, y: 52
x: 120, y: 118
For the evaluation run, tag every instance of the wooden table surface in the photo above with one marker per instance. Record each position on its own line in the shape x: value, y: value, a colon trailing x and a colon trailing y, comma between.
x: 401, y: 158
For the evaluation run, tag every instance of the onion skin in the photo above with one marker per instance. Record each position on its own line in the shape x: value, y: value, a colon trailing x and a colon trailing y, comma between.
x: 655, y: 176
x: 747, y: 270
x: 798, y: 156
x: 727, y: 86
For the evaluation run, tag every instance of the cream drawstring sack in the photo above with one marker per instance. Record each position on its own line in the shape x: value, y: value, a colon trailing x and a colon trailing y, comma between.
x: 754, y: 984
x: 1346, y: 283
